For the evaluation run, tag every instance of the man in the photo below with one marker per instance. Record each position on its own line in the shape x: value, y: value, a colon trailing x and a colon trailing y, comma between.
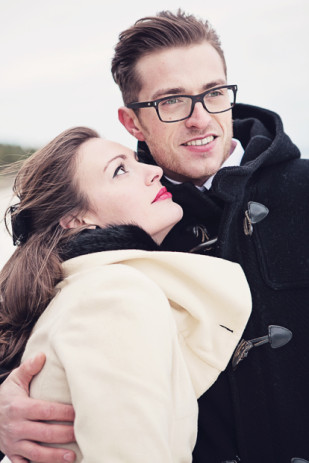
x: 245, y: 199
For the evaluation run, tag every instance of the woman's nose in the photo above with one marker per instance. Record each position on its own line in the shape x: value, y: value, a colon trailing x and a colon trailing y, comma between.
x: 153, y: 173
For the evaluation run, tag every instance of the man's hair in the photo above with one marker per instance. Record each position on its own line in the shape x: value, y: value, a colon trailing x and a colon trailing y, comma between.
x: 154, y: 33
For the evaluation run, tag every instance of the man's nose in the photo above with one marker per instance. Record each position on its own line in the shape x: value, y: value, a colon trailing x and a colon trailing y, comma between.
x: 199, y: 118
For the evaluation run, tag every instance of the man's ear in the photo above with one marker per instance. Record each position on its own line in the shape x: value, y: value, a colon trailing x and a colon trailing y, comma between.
x: 129, y: 120
x: 71, y: 221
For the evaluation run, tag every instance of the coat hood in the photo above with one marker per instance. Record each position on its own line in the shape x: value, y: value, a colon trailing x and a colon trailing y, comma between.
x: 253, y: 125
x: 209, y: 299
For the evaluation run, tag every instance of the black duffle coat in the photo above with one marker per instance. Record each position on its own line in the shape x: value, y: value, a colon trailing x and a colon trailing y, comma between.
x: 258, y: 412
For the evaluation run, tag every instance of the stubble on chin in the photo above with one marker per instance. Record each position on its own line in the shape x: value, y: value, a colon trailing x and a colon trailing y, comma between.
x: 175, y: 165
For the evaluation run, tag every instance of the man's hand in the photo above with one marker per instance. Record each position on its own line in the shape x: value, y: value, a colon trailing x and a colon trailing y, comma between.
x: 19, y: 416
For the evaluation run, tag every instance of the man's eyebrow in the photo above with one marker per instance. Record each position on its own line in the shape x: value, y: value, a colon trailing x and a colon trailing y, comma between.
x: 182, y: 91
x: 119, y: 156
x: 214, y: 83
x: 167, y: 91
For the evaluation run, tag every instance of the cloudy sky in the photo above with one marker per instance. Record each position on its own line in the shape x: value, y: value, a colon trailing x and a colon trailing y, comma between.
x: 55, y: 65
x: 55, y: 61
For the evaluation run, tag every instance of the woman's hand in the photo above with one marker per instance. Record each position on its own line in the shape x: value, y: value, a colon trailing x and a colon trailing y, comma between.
x: 21, y: 416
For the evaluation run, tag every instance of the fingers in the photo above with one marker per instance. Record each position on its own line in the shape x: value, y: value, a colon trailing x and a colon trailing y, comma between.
x: 17, y: 433
x: 18, y: 416
x: 40, y: 410
x: 25, y: 372
x: 22, y: 422
x: 42, y: 432
x: 39, y: 454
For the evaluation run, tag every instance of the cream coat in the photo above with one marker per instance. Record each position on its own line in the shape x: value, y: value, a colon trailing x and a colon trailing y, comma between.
x: 132, y: 339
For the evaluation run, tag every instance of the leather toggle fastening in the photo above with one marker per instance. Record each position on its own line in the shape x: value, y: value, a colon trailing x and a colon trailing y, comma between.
x: 204, y: 246
x: 277, y: 336
x: 201, y: 232
x: 256, y: 213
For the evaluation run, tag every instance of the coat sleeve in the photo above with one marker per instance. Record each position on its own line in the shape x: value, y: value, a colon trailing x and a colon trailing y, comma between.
x: 115, y: 345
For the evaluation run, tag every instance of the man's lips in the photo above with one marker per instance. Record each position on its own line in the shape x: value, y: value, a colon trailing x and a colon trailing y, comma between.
x: 163, y: 194
x: 200, y: 141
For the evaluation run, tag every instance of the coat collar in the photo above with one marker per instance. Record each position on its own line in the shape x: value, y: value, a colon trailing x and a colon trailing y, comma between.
x: 108, y: 239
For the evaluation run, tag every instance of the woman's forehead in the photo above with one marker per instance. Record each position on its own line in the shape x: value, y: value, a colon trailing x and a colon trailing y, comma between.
x: 104, y: 148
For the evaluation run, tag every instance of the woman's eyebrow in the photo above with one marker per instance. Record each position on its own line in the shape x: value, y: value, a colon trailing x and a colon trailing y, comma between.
x: 121, y: 156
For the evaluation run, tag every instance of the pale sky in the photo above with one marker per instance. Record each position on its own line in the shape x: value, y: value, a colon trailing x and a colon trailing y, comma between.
x: 55, y: 62
x: 55, y: 65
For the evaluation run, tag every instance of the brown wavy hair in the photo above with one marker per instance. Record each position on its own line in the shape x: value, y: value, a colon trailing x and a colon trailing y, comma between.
x: 47, y: 190
x: 151, y: 34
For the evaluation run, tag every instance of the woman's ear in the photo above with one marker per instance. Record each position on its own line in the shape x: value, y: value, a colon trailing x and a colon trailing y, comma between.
x: 130, y: 121
x: 71, y: 221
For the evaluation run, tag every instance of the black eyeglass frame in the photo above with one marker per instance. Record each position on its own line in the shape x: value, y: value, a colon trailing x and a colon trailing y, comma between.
x: 194, y: 99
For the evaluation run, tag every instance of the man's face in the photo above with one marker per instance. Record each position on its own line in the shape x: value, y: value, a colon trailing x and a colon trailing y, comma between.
x: 195, y: 148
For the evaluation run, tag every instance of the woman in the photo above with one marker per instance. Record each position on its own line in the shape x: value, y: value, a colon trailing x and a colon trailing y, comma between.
x: 132, y: 337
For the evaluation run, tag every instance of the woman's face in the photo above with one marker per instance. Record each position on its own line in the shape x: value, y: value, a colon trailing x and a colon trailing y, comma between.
x: 122, y: 190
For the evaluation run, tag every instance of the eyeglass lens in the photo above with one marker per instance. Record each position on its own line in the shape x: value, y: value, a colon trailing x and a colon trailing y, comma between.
x: 179, y: 107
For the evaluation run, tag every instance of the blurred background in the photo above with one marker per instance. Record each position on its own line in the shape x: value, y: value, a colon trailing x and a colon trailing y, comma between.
x: 55, y: 66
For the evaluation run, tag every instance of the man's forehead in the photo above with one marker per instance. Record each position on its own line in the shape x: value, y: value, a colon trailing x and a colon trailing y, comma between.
x: 186, y: 69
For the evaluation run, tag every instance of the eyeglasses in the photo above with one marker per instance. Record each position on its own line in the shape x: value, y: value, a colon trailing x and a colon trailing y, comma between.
x: 176, y: 108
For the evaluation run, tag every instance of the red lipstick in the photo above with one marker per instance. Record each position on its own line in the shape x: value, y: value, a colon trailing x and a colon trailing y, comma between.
x: 163, y: 194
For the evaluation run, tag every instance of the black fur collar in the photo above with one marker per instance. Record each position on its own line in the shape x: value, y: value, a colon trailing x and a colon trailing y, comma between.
x: 108, y: 239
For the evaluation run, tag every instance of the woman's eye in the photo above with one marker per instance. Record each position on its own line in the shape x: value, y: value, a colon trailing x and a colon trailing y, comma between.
x: 119, y: 171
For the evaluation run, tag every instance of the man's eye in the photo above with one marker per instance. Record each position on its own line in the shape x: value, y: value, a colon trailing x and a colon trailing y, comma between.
x: 119, y: 171
x: 171, y: 101
x: 214, y: 93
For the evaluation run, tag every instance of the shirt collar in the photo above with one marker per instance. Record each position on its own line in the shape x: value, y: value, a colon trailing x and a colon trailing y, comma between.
x: 234, y: 159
